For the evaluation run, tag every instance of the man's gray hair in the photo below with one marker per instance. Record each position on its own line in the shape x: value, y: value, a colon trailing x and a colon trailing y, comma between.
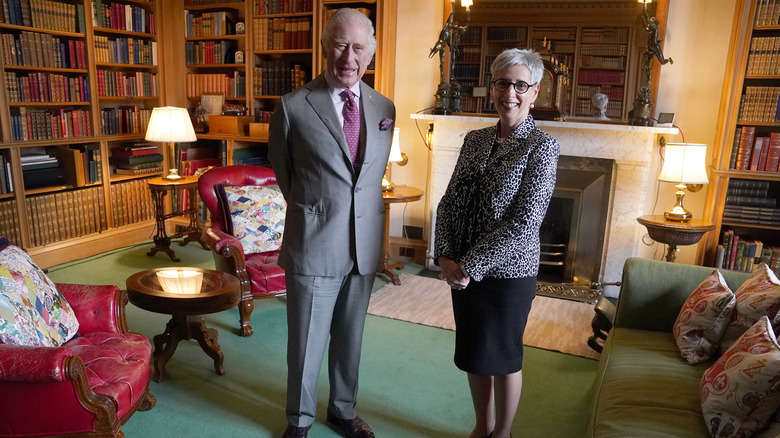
x: 527, y: 57
x: 345, y: 15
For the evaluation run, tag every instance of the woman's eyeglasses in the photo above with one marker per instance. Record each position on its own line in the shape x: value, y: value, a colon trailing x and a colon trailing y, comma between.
x: 502, y: 85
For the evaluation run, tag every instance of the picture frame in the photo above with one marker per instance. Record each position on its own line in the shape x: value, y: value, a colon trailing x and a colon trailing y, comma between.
x: 212, y: 104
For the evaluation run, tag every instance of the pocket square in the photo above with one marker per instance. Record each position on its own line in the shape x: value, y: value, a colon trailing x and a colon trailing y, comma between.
x: 385, y: 124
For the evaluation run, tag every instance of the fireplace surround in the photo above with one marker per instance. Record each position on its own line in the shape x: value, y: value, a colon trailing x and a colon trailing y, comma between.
x: 633, y: 151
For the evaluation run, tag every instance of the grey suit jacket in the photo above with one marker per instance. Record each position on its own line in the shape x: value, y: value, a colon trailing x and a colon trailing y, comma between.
x: 334, y: 216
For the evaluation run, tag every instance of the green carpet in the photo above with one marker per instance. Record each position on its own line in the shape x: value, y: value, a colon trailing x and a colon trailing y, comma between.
x: 409, y: 385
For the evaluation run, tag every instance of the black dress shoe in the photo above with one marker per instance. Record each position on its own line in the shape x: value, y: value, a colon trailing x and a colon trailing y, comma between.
x: 295, y: 432
x: 354, y: 428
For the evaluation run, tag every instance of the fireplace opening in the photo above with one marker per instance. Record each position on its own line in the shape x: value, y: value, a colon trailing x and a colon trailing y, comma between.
x: 573, y: 231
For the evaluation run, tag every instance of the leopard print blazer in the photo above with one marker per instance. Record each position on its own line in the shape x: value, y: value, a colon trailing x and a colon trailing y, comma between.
x: 488, y: 219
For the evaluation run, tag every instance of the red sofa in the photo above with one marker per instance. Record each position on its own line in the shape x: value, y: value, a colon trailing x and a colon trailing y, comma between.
x: 259, y: 274
x: 90, y: 385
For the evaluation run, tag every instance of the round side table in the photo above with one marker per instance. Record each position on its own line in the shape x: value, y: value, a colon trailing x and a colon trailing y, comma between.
x: 674, y: 233
x: 160, y: 187
x: 400, y: 194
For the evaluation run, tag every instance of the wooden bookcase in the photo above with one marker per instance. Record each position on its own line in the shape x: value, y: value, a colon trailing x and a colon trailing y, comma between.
x: 598, y: 43
x: 743, y: 195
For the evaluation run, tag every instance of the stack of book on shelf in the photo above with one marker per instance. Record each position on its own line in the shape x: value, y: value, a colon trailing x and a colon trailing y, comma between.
x: 251, y: 155
x: 136, y: 159
x: 81, y: 164
x: 749, y: 201
x: 39, y: 169
x: 752, y: 152
x: 741, y: 253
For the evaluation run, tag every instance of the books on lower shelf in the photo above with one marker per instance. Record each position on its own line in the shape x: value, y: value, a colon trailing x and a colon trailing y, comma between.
x: 54, y: 217
x: 755, y: 152
x: 742, y: 253
x: 131, y: 202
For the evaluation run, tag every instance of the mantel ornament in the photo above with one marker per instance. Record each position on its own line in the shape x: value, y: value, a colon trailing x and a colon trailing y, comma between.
x: 642, y: 114
x: 448, y: 93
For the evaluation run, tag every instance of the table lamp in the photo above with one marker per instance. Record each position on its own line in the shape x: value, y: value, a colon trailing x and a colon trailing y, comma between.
x: 180, y: 281
x: 169, y: 124
x: 684, y: 164
x: 396, y: 156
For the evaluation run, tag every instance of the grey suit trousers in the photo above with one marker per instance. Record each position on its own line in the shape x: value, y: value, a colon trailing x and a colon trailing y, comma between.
x: 340, y: 303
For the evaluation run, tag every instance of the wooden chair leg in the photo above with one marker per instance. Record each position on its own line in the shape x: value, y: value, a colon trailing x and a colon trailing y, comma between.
x: 245, y: 308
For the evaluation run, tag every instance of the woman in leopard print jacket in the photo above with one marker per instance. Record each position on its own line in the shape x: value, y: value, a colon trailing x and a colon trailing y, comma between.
x: 487, y: 239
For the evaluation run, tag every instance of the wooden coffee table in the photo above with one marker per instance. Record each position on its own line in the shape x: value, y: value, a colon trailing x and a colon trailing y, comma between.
x: 219, y: 291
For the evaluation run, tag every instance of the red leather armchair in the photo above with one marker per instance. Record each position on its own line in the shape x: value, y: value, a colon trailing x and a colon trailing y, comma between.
x: 259, y: 274
x: 90, y: 386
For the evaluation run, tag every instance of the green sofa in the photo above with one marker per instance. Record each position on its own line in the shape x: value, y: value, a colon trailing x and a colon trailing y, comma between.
x: 643, y: 387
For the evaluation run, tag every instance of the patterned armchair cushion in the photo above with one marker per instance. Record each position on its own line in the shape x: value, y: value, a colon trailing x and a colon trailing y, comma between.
x: 703, y: 318
x: 739, y: 392
x: 257, y: 215
x: 32, y: 311
x: 759, y: 295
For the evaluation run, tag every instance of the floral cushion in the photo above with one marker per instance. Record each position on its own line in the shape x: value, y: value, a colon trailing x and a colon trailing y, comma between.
x: 257, y: 214
x: 32, y: 310
x: 759, y: 295
x: 741, y: 390
x: 703, y: 318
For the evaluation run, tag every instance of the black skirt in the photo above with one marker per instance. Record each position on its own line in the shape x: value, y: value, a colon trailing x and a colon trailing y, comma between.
x: 490, y: 318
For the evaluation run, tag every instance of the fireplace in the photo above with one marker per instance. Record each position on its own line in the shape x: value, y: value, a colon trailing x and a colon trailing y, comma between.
x: 573, y: 231
x: 632, y: 152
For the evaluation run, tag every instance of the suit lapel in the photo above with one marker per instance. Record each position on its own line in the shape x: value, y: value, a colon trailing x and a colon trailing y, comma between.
x: 320, y: 101
x: 370, y: 116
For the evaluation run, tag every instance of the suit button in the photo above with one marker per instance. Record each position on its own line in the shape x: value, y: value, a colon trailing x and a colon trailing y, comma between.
x: 357, y: 189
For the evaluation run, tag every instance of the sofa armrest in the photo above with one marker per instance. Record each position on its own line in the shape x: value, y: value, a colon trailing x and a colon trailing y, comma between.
x: 97, y: 308
x: 21, y: 363
x: 653, y: 292
x: 229, y: 256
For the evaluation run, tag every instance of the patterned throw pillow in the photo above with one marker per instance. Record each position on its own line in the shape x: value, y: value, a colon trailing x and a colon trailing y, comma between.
x: 759, y: 295
x: 741, y: 390
x: 32, y: 310
x: 257, y: 214
x: 703, y: 319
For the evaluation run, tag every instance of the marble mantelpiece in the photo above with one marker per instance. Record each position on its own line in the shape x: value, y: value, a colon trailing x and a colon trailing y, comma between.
x: 634, y: 149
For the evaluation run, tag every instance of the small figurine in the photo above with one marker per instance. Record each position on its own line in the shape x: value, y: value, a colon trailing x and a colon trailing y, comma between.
x: 239, y: 28
x: 199, y: 119
x: 239, y: 57
x: 600, y: 102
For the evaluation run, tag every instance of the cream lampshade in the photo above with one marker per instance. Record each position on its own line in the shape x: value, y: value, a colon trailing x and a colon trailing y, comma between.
x: 169, y: 124
x: 684, y: 164
x: 180, y: 281
x: 396, y: 156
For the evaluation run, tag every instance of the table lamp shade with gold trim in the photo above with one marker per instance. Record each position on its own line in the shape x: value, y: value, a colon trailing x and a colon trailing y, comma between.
x: 684, y: 164
x: 169, y: 124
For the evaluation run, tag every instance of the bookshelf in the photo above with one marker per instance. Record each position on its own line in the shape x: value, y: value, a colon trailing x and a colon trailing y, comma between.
x: 745, y: 180
x: 77, y: 84
x: 596, y: 42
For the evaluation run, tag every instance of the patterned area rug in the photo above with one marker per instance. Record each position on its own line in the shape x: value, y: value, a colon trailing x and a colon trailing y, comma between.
x: 553, y: 324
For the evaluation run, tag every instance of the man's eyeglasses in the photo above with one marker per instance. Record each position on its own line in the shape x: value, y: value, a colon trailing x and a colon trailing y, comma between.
x: 502, y: 85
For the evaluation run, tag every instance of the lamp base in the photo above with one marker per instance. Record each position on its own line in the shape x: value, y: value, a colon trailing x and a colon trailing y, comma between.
x: 387, y: 185
x: 678, y: 213
x: 173, y: 174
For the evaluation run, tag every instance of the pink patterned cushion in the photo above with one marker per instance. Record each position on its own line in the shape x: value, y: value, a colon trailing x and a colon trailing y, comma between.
x: 703, y: 319
x: 257, y: 214
x: 759, y: 295
x: 741, y: 390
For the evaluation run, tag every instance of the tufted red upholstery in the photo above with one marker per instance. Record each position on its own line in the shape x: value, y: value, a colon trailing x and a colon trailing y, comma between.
x: 89, y: 386
x: 259, y: 274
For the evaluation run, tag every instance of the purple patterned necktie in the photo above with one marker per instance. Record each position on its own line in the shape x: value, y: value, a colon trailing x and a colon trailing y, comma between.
x: 351, y: 123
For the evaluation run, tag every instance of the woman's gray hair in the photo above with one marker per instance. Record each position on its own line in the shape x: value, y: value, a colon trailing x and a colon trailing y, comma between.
x: 527, y: 57
x: 345, y: 15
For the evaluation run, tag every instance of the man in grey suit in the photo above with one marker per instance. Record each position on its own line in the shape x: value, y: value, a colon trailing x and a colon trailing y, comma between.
x: 328, y: 144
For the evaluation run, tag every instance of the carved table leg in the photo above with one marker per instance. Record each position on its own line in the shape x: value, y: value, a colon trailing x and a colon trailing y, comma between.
x: 164, y: 346
x: 161, y: 240
x: 207, y: 338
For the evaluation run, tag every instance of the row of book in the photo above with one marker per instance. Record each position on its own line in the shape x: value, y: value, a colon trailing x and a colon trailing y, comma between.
x: 131, y: 202
x: 207, y: 24
x: 741, y: 253
x: 507, y: 33
x: 46, y: 14
x: 591, y: 61
x: 470, y: 54
x: 199, y: 83
x: 584, y: 107
x: 125, y: 120
x: 262, y: 7
x: 282, y: 33
x: 126, y: 84
x: 749, y: 193
x: 136, y: 159
x: 46, y: 87
x: 767, y: 13
x: 50, y: 124
x: 125, y: 50
x: 587, y: 91
x: 54, y: 217
x: 601, y: 77
x: 277, y: 77
x: 752, y: 152
x: 34, y: 49
x: 9, y: 221
x: 604, y: 49
x: 605, y: 35
x: 764, y: 56
x: 121, y: 16
x: 466, y: 71
x: 210, y: 52
x: 760, y: 104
